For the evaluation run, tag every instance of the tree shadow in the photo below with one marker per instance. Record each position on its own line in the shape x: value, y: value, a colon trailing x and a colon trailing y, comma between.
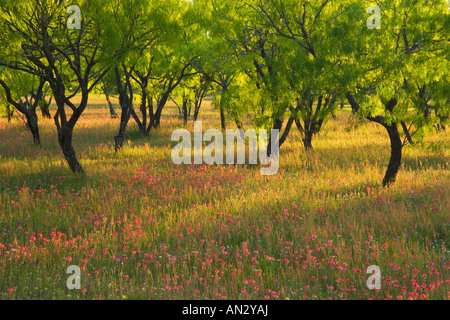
x: 60, y: 178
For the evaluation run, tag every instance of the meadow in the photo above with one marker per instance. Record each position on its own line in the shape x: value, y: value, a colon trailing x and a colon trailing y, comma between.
x: 142, y: 228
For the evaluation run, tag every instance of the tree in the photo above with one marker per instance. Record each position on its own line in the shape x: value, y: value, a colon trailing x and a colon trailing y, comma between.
x: 401, y: 75
x: 191, y: 93
x: 309, y: 62
x: 108, y: 90
x: 177, y: 58
x: 130, y: 30
x: 25, y: 93
x: 145, y: 46
x: 62, y: 57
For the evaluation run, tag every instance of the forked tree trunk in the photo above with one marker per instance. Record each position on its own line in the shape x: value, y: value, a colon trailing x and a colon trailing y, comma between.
x: 198, y: 105
x: 161, y: 103
x: 396, y: 155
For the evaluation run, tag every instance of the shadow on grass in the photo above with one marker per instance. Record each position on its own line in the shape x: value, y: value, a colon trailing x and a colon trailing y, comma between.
x: 61, y: 178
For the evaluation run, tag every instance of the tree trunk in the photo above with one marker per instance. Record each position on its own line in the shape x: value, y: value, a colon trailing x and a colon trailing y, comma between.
x: 150, y: 107
x: 124, y: 118
x: 222, y: 119
x: 65, y: 134
x: 277, y: 125
x: 45, y: 109
x: 156, y: 121
x: 396, y: 155
x: 141, y: 125
x: 307, y: 141
x: 197, y: 105
x: 144, y: 112
x: 185, y: 111
x: 286, y: 132
x: 196, y: 111
x: 394, y: 136
x: 151, y: 115
x: 407, y: 133
x: 32, y: 124
x: 9, y: 113
x: 111, y: 108
x: 126, y: 106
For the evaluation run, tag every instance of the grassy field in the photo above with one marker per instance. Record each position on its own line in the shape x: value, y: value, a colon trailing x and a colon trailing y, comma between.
x: 142, y: 228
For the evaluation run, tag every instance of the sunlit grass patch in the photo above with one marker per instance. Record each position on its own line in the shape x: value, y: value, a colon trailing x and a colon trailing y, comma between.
x: 143, y: 228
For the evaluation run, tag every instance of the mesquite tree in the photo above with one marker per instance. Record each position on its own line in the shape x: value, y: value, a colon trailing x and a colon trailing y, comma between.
x: 130, y: 31
x: 145, y: 45
x: 401, y: 75
x: 314, y: 42
x: 43, y: 46
x: 25, y: 93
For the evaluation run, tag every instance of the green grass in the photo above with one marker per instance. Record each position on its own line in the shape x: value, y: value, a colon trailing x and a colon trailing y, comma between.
x: 143, y: 228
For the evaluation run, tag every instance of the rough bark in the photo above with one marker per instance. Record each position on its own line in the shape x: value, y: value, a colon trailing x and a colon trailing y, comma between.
x: 32, y: 124
x: 307, y: 141
x: 65, y: 135
x: 65, y: 141
x: 396, y: 155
